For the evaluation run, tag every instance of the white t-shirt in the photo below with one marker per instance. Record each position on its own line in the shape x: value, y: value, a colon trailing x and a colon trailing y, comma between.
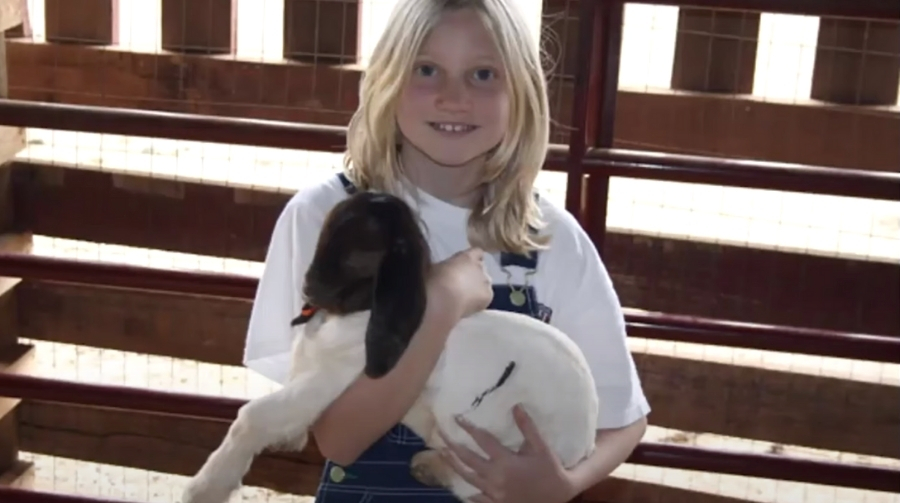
x: 570, y: 279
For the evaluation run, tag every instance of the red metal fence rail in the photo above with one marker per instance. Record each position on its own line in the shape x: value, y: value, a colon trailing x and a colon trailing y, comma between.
x: 603, y: 161
x: 13, y: 495
x: 652, y: 454
x: 644, y: 325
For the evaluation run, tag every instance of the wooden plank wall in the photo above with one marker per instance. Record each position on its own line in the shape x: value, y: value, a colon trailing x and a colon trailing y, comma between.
x: 14, y: 356
x: 316, y: 82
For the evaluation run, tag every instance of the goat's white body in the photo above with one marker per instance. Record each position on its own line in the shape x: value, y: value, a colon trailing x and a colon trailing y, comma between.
x: 551, y: 379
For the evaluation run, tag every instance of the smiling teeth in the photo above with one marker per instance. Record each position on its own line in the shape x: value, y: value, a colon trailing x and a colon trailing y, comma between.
x: 452, y: 128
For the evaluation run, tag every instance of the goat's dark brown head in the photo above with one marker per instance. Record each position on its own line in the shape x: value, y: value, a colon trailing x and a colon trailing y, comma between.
x: 371, y: 254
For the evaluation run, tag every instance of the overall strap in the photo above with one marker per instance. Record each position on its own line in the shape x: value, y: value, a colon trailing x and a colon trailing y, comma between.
x: 528, y: 261
x: 516, y: 259
x: 348, y: 185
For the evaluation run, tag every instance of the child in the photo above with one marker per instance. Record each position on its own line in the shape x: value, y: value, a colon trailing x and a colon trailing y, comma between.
x: 453, y: 116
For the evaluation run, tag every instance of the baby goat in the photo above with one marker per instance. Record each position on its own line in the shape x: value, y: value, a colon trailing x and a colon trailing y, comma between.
x: 365, y: 294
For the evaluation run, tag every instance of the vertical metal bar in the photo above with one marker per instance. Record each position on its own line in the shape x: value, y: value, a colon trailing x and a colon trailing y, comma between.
x: 602, y: 118
x: 584, y: 95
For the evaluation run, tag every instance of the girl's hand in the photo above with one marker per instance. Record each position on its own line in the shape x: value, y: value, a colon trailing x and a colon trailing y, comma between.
x: 461, y: 283
x: 534, y: 474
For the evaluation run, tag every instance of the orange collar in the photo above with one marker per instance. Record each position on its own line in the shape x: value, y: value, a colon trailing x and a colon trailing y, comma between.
x: 306, y: 314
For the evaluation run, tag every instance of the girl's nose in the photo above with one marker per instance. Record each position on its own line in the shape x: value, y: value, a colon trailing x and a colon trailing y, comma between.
x: 454, y: 95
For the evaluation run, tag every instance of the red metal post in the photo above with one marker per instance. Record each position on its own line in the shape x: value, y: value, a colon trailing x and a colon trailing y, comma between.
x: 602, y: 118
x: 589, y: 41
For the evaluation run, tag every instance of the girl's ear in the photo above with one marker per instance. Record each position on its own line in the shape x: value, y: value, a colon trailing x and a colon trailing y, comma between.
x: 398, y: 306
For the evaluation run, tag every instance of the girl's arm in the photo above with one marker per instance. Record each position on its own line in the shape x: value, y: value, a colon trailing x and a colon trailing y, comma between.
x: 370, y: 407
x: 588, y: 310
x: 614, y: 445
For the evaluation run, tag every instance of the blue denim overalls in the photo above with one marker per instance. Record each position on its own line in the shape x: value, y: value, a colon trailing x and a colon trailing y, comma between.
x: 382, y: 473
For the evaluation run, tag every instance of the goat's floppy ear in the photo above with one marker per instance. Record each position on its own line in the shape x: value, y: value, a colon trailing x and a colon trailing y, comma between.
x: 398, y: 306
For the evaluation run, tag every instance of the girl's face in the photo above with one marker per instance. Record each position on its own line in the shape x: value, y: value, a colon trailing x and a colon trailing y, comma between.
x: 455, y: 107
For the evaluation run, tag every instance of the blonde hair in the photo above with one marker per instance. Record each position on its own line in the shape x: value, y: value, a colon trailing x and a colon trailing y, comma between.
x: 507, y: 215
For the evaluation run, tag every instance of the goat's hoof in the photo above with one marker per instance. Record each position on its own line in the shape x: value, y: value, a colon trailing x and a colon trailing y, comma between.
x: 427, y: 467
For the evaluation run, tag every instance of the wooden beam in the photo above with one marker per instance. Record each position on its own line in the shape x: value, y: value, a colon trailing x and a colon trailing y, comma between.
x: 14, y: 357
x: 167, y: 444
x: 744, y: 128
x: 654, y: 273
x: 243, y: 218
x: 620, y: 490
x: 715, y: 50
x: 818, y: 134
x: 12, y: 139
x: 294, y: 92
x: 20, y: 476
x: 712, y: 397
x: 206, y: 329
x: 179, y: 446
x: 207, y: 27
x: 775, y: 406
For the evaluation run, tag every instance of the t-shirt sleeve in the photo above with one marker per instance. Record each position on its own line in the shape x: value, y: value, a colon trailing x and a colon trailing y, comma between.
x: 587, y: 309
x: 278, y: 296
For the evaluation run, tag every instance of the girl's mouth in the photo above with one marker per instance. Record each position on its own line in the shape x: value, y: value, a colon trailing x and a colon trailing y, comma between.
x: 452, y: 127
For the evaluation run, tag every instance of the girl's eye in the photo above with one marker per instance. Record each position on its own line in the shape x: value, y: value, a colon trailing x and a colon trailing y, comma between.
x: 484, y: 74
x: 425, y: 70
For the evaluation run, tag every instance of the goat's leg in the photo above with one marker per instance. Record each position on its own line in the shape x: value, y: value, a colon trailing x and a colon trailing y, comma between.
x: 427, y: 466
x: 430, y: 468
x: 279, y: 418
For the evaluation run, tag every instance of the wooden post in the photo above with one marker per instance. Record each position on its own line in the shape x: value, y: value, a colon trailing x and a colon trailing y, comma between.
x: 204, y: 27
x: 14, y: 357
x: 83, y: 22
x: 322, y: 31
x: 12, y: 139
x: 715, y: 51
x: 857, y: 62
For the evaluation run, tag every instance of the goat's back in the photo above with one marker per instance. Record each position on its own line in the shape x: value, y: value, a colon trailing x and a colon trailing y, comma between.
x: 548, y: 375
